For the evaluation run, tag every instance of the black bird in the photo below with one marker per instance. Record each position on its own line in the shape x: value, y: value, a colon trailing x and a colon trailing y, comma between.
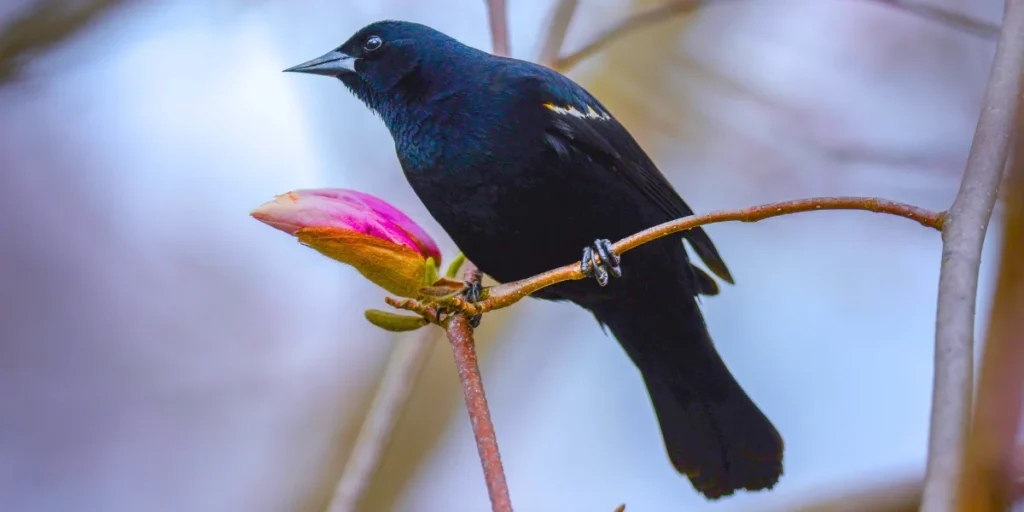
x: 524, y: 168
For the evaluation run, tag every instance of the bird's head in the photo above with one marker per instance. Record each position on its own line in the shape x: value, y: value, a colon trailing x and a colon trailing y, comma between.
x: 389, y: 61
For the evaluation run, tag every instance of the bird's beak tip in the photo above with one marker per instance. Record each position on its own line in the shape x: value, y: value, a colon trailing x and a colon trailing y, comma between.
x: 332, y: 63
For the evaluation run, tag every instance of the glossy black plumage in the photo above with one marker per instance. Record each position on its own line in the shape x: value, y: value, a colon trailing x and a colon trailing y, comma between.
x: 524, y: 168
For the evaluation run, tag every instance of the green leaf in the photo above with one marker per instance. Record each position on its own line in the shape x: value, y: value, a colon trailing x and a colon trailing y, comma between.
x: 394, y: 322
x: 431, y: 271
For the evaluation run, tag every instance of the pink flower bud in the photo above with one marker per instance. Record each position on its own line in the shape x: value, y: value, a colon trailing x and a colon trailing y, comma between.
x: 380, y: 241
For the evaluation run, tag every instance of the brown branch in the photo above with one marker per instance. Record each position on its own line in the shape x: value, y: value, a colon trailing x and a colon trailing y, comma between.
x: 498, y: 20
x: 992, y: 468
x: 963, y: 238
x: 425, y: 310
x: 460, y: 334
x: 551, y: 47
x: 404, y: 366
x: 505, y: 295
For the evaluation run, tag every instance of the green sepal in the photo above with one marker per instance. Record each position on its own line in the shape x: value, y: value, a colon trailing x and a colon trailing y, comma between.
x: 455, y: 265
x: 394, y: 322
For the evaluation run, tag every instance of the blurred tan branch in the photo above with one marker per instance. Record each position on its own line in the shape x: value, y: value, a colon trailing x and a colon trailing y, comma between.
x: 963, y: 239
x: 43, y: 26
x: 408, y: 358
x: 558, y: 27
x: 634, y: 22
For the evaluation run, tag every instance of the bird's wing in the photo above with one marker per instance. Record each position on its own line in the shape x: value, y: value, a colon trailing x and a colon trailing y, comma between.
x: 580, y: 123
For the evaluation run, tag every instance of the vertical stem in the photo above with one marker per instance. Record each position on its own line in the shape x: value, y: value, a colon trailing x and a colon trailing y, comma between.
x: 992, y: 471
x: 963, y: 237
x: 460, y: 334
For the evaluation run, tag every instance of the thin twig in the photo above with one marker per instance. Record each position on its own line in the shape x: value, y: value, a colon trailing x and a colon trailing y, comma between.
x: 498, y: 20
x: 962, y: 241
x: 558, y: 26
x: 505, y: 295
x: 635, y: 22
x: 460, y: 334
x: 408, y: 358
x: 990, y: 478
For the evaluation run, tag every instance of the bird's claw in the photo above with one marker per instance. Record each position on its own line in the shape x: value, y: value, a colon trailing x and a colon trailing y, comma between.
x: 471, y: 294
x: 599, y: 261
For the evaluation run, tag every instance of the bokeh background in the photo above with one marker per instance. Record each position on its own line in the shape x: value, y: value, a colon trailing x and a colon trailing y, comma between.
x: 162, y: 351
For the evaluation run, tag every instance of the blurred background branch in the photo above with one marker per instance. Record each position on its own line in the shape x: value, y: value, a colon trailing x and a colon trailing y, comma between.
x: 963, y: 239
x: 992, y: 470
x: 409, y: 356
x: 557, y: 28
x: 497, y: 16
x: 632, y: 23
x: 44, y: 25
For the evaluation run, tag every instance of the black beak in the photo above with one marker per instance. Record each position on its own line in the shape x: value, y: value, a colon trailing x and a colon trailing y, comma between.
x: 330, y: 64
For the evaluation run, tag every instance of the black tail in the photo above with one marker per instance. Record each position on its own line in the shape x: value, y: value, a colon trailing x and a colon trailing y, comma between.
x: 714, y: 433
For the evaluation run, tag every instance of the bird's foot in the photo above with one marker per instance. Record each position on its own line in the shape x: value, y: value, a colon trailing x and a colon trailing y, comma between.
x: 599, y: 261
x: 470, y: 294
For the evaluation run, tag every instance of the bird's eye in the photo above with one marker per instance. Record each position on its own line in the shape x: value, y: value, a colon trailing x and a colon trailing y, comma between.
x: 372, y: 43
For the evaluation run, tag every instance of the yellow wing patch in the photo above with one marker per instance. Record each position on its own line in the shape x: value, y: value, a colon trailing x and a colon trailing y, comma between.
x: 570, y: 110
